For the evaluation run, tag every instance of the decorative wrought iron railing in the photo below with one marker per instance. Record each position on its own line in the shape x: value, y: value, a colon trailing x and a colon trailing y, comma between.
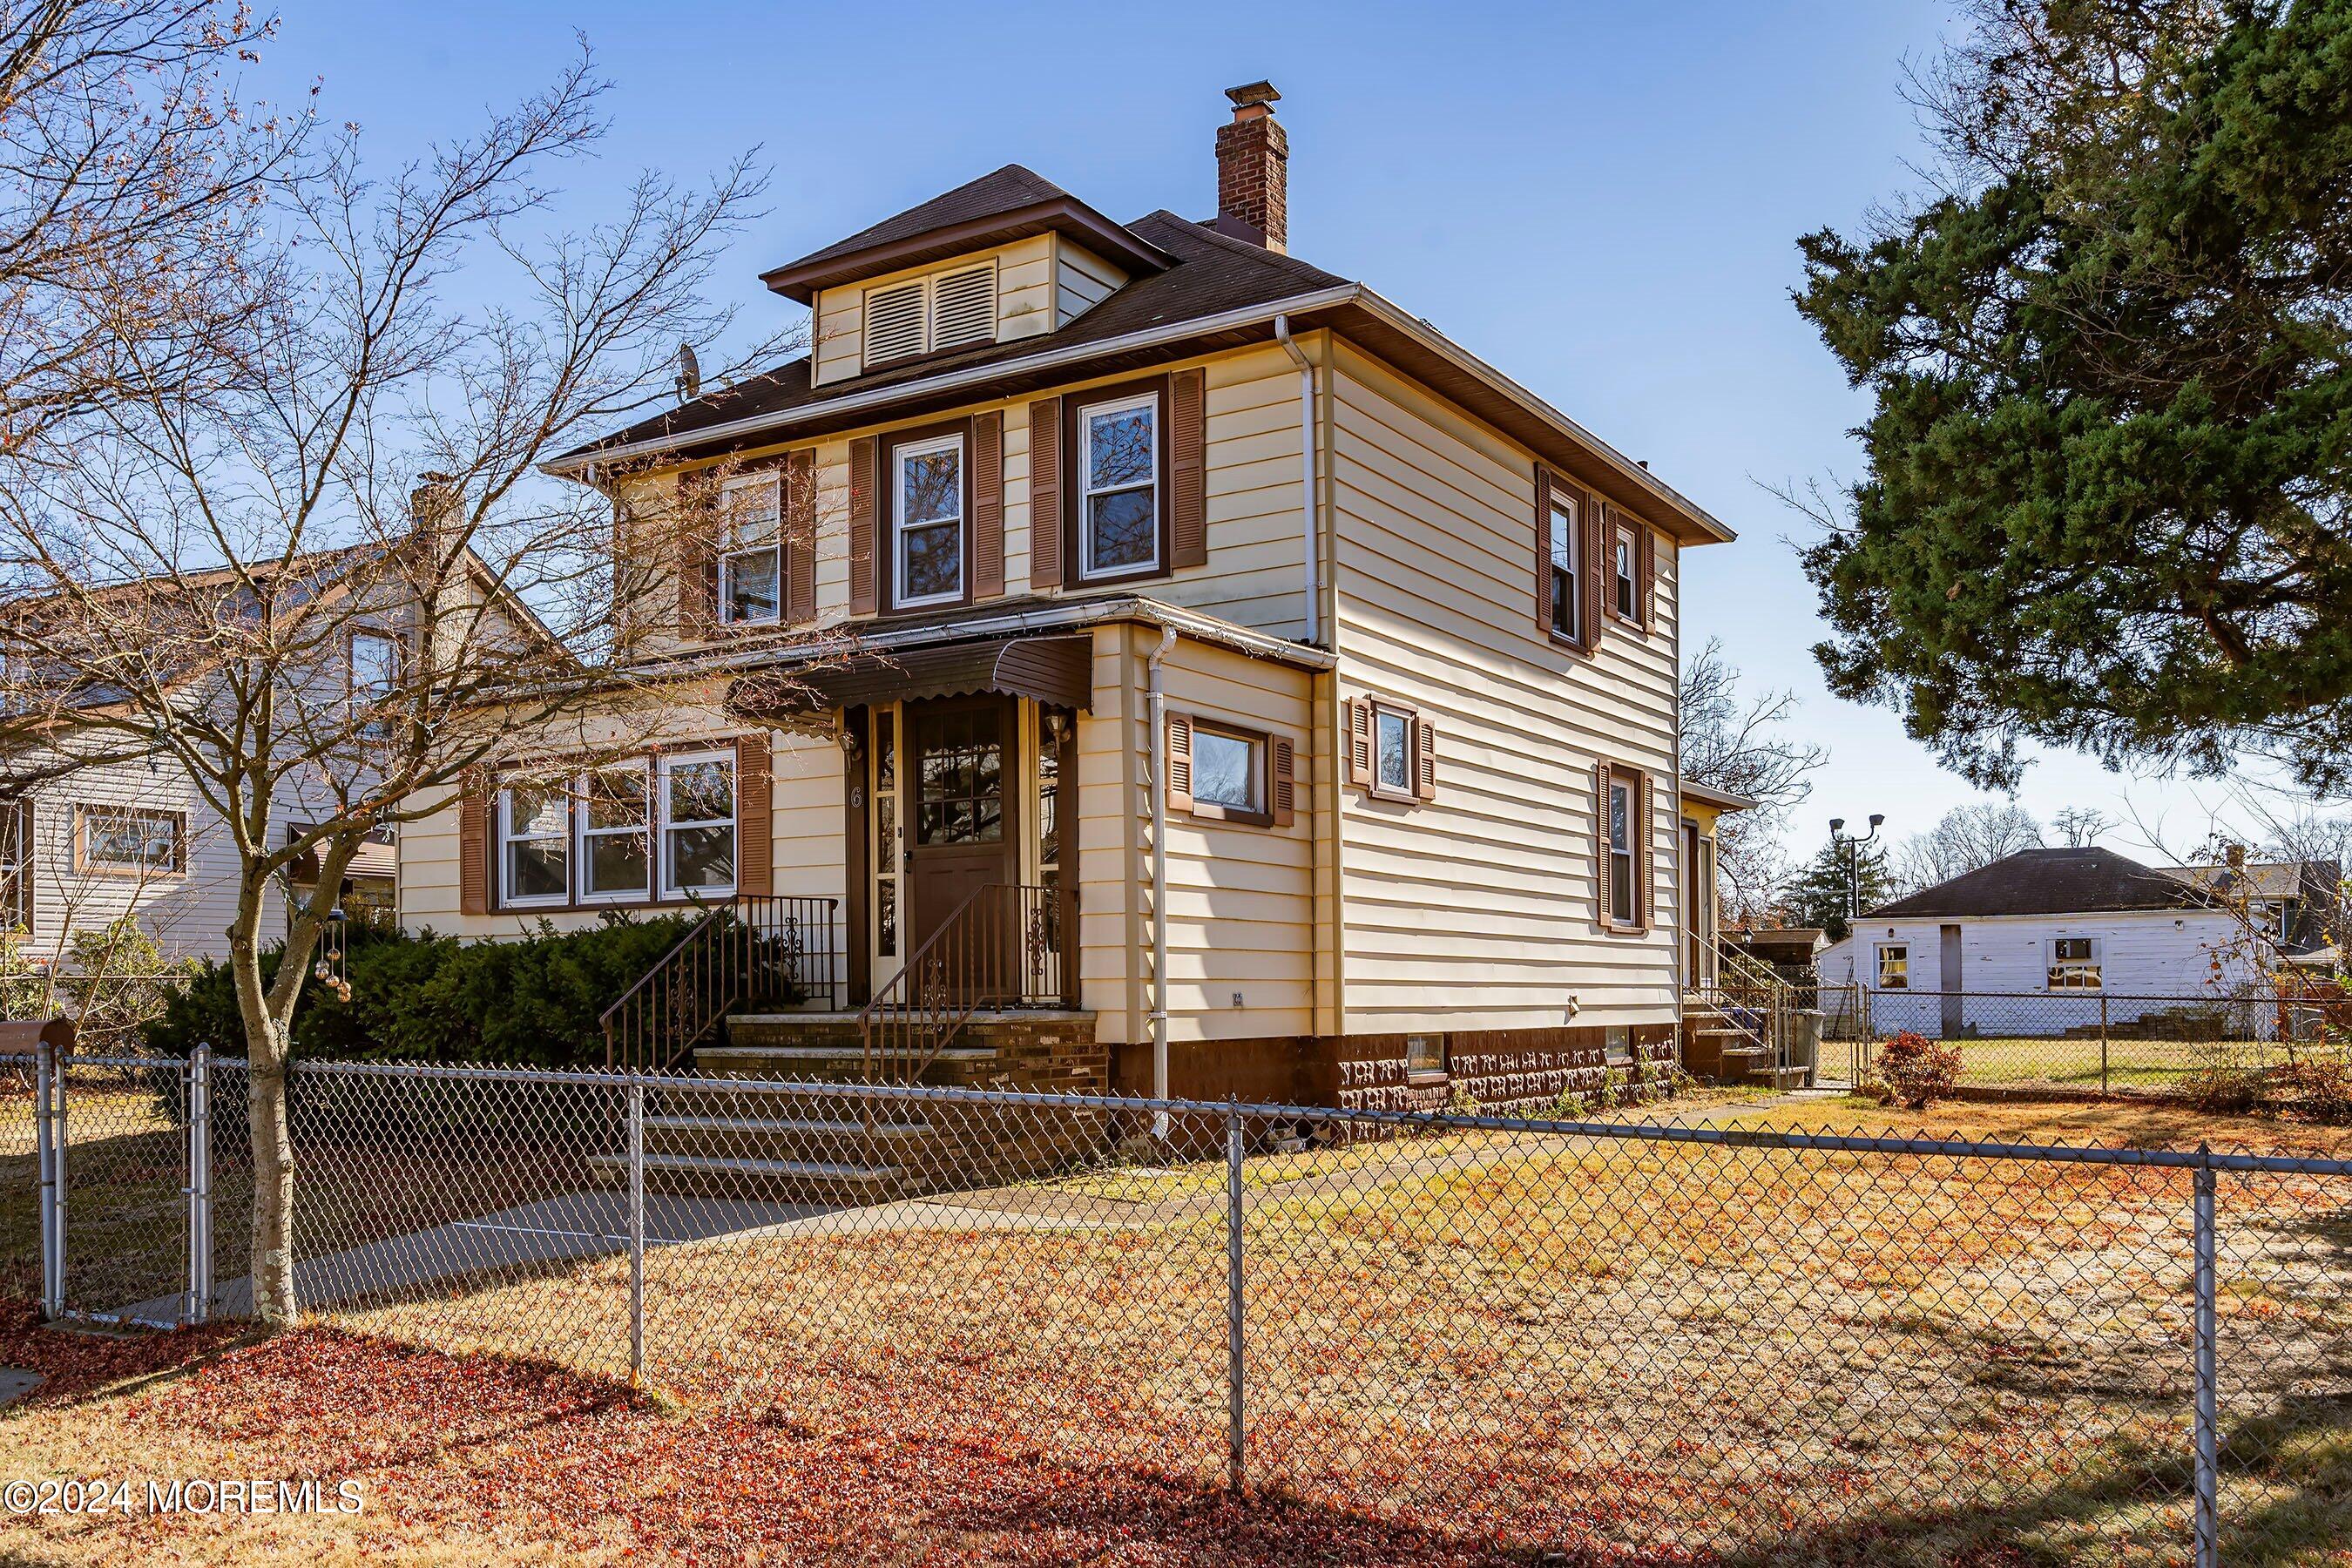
x: 765, y: 948
x: 1008, y: 945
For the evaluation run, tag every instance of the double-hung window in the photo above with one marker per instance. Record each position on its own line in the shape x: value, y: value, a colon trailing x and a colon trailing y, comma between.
x: 535, y: 843
x: 751, y: 554
x: 1624, y: 905
x: 16, y: 864
x: 1566, y: 603
x: 926, y: 516
x: 615, y: 834
x: 698, y: 821
x: 2074, y: 963
x: 373, y: 678
x: 1625, y: 581
x: 1118, y: 500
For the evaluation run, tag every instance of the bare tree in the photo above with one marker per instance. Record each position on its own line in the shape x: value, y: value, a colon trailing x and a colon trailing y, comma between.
x: 1966, y: 838
x: 326, y: 569
x: 1739, y: 744
x: 2079, y: 826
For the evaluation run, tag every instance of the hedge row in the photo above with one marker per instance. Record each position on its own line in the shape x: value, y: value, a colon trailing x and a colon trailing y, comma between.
x: 531, y: 1003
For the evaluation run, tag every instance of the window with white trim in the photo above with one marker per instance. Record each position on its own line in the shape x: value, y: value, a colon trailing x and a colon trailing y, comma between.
x: 372, y: 676
x: 1894, y: 966
x: 1118, y: 495
x: 16, y: 864
x: 1391, y: 750
x: 750, y: 550
x: 927, y: 522
x: 697, y: 794
x: 1626, y: 582
x: 1567, y: 603
x: 951, y: 309
x: 126, y: 839
x: 535, y: 844
x: 616, y: 833
x: 1228, y: 770
x: 1623, y: 903
x: 2074, y: 963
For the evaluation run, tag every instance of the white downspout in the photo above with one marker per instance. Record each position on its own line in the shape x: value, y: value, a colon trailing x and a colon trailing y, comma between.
x: 1306, y: 472
x: 1158, y: 788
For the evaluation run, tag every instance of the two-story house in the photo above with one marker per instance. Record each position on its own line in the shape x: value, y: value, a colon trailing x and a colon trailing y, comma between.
x: 1137, y: 617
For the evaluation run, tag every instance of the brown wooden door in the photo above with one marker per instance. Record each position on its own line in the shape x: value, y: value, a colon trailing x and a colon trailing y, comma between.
x: 963, y: 800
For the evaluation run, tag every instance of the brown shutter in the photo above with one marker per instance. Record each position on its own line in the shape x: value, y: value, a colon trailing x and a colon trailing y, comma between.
x: 1285, y: 793
x: 800, y: 537
x: 1360, y: 742
x: 1592, y: 577
x: 1644, y: 847
x: 1179, y: 762
x: 1425, y: 760
x: 1601, y: 838
x: 1543, y: 554
x: 1188, y: 473
x: 755, y: 832
x: 1646, y: 600
x: 697, y: 558
x: 1046, y: 493
x: 863, y: 454
x: 988, y: 505
x: 473, y: 852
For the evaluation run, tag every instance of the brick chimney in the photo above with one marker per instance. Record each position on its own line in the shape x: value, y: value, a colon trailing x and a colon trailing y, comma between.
x: 1253, y: 169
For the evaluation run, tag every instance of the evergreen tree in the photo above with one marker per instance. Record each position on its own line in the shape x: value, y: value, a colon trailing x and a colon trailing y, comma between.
x: 1820, y: 895
x: 2108, y: 494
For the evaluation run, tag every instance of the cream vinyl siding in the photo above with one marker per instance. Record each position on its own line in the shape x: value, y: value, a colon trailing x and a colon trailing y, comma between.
x: 1025, y: 295
x: 805, y: 836
x: 1024, y: 289
x: 1478, y: 909
x: 1081, y: 281
x: 1241, y: 898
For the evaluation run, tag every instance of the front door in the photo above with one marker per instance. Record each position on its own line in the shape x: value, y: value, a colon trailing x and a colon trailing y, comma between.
x: 962, y: 807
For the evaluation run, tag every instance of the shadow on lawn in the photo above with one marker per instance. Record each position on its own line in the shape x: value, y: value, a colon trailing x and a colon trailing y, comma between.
x: 2297, y: 1463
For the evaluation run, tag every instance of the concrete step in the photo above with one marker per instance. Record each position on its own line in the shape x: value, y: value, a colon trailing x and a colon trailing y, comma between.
x: 1778, y: 1077
x: 825, y: 1062
x: 786, y: 1138
x: 818, y: 1181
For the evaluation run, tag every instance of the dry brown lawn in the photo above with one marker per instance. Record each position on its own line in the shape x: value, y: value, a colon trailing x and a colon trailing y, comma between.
x: 1456, y: 1347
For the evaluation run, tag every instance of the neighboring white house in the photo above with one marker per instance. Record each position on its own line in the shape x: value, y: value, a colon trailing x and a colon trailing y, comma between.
x: 1973, y: 954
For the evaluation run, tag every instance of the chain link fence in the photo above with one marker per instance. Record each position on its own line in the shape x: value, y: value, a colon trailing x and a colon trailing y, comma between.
x: 1677, y: 1341
x: 2084, y: 1041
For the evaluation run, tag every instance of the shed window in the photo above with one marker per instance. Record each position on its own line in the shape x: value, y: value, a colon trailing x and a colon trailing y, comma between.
x: 1894, y: 966
x: 2074, y: 963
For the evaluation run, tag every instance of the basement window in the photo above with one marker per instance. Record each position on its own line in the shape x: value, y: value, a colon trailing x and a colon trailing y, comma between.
x: 1424, y: 1058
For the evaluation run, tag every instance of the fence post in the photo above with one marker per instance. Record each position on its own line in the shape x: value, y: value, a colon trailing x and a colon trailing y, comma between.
x: 1236, y: 1430
x: 637, y: 1231
x: 2208, y: 1436
x: 200, y: 1185
x: 2103, y: 1042
x: 48, y: 1092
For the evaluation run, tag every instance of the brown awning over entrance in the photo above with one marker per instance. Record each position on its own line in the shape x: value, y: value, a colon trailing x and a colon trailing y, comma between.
x: 1058, y: 670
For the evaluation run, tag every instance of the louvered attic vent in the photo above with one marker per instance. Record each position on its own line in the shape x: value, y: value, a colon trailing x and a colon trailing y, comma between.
x: 925, y: 315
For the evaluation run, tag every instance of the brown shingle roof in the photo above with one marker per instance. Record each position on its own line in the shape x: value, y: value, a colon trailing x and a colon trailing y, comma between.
x: 2046, y: 882
x: 1209, y: 274
x: 990, y: 195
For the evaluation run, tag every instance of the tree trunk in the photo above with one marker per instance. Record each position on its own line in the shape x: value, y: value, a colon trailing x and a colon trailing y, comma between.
x: 267, y: 1038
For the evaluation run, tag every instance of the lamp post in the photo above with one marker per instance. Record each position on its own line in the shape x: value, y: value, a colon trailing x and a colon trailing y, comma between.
x: 1850, y: 850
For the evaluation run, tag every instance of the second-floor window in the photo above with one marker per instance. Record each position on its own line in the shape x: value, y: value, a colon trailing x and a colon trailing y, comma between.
x: 1566, y: 603
x: 927, y: 522
x: 375, y: 677
x: 1625, y: 585
x: 1119, y: 502
x: 751, y: 552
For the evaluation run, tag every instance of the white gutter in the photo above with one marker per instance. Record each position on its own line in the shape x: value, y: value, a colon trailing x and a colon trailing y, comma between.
x: 978, y: 376
x: 1306, y: 469
x: 1158, y: 786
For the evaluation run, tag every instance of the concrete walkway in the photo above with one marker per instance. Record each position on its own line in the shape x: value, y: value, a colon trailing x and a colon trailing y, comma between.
x: 551, y: 1230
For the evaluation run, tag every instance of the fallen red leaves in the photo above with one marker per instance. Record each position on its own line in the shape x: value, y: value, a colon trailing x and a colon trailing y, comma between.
x: 463, y: 1444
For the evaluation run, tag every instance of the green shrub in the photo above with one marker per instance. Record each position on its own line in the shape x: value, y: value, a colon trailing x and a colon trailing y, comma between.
x: 532, y: 1003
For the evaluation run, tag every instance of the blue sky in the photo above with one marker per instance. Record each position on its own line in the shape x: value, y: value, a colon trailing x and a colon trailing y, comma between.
x: 1601, y: 199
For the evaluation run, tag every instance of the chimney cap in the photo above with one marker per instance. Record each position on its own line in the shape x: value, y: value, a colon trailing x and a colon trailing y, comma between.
x: 1250, y: 93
